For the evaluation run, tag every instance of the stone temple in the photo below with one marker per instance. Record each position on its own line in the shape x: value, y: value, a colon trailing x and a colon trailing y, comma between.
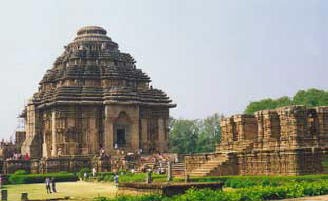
x: 95, y: 98
x: 286, y: 141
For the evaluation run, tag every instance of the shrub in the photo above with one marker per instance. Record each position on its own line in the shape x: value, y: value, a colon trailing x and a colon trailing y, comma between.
x: 20, y: 172
x: 40, y: 178
x: 255, y: 193
x: 129, y: 177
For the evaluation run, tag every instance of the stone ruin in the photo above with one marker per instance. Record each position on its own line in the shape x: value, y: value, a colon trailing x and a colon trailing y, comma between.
x: 93, y: 99
x: 285, y: 141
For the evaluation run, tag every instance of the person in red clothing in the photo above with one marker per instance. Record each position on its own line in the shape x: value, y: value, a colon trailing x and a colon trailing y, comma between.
x: 27, y: 157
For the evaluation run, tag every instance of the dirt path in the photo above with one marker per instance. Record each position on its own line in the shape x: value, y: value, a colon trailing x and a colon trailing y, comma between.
x: 315, y: 198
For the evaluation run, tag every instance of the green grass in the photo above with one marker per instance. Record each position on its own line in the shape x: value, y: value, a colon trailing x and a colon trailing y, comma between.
x: 78, y: 191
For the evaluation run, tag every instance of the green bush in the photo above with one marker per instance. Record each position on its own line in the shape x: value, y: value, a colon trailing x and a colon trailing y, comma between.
x: 249, y: 181
x: 128, y: 177
x: 20, y: 172
x: 40, y: 178
x: 255, y: 193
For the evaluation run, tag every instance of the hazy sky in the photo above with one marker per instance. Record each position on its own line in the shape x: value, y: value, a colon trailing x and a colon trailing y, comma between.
x: 209, y: 56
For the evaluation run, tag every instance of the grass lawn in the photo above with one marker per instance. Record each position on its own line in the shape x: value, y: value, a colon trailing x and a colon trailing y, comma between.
x: 77, y: 191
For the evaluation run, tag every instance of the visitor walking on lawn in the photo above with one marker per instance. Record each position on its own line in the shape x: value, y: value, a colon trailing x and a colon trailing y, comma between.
x: 48, y: 185
x: 53, y: 185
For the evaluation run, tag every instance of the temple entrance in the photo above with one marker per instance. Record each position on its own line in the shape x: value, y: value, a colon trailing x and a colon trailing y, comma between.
x: 120, y: 137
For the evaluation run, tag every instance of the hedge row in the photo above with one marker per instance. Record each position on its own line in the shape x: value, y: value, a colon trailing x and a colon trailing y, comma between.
x: 229, y: 181
x: 248, y: 181
x: 255, y: 193
x: 128, y: 177
x: 40, y: 178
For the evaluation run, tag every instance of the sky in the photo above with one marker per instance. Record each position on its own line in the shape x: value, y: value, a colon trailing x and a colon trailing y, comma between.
x: 208, y: 56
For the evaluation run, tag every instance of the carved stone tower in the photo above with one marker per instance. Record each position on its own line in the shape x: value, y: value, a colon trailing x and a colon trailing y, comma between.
x: 94, y: 97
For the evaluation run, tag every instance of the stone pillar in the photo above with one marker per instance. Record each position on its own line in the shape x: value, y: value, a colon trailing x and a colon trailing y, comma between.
x: 108, y: 132
x: 93, y: 135
x: 169, y: 171
x: 54, y: 135
x: 135, y: 135
x: 44, y: 146
x: 144, y: 131
x: 161, y: 135
x: 149, y: 178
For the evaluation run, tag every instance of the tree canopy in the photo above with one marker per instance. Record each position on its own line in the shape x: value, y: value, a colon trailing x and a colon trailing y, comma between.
x: 195, y: 136
x: 310, y: 97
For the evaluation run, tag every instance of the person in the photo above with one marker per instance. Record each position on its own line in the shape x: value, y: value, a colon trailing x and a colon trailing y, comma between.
x: 116, y: 179
x: 48, y: 185
x: 27, y: 157
x: 94, y: 172
x: 85, y: 175
x: 102, y: 152
x: 53, y: 185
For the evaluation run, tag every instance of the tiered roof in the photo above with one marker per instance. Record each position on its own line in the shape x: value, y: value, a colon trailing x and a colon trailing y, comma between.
x: 94, y: 58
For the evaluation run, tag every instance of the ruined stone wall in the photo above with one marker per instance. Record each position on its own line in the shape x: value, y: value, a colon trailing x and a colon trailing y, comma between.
x: 282, y: 142
x: 286, y: 141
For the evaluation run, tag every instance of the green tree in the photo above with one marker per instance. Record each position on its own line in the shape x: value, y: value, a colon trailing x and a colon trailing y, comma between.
x: 210, y: 133
x: 195, y: 136
x: 183, y: 136
x: 310, y: 97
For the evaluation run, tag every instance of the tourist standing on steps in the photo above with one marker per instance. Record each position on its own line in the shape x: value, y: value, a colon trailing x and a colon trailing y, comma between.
x: 53, y: 185
x: 48, y: 185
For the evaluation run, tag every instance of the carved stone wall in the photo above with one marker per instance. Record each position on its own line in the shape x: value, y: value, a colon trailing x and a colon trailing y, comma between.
x: 285, y: 141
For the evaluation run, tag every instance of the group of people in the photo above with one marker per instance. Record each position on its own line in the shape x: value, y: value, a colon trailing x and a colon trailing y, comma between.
x: 18, y: 156
x: 51, y: 185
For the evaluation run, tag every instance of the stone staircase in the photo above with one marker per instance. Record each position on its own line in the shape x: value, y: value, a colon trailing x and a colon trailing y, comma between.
x: 210, y: 167
x: 222, y: 162
x: 178, y: 169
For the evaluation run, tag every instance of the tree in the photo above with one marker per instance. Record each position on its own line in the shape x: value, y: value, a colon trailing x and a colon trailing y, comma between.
x: 183, y: 136
x: 195, y: 136
x: 310, y: 97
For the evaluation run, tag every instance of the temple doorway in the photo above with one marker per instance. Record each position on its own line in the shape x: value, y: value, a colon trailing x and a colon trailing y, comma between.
x: 120, y: 137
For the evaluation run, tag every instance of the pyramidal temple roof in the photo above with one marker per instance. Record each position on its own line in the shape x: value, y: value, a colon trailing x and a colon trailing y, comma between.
x: 92, y: 70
